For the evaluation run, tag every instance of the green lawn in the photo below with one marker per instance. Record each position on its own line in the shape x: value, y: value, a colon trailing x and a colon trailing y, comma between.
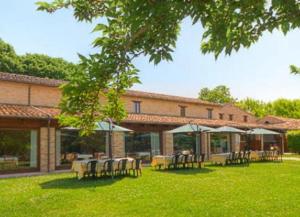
x: 262, y: 189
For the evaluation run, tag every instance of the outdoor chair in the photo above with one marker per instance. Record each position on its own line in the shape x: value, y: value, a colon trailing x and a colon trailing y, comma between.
x: 174, y: 162
x: 238, y: 158
x: 137, y: 169
x: 121, y: 168
x: 91, y: 165
x: 231, y: 158
x: 246, y: 157
x: 180, y: 161
x: 107, y: 168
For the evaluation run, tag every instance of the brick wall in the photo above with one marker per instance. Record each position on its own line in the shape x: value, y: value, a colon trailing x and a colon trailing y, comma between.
x: 118, y: 144
x: 44, y: 149
x: 13, y: 93
x: 167, y: 143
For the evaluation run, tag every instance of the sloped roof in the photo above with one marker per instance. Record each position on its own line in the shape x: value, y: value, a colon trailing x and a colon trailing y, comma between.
x: 30, y: 112
x: 288, y: 123
x: 35, y: 112
x: 176, y: 120
x: 133, y: 93
x: 4, y: 76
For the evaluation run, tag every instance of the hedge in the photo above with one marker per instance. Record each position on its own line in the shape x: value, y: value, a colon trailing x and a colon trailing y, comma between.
x: 294, y: 141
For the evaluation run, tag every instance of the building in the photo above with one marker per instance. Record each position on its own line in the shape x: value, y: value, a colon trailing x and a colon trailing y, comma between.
x: 32, y: 140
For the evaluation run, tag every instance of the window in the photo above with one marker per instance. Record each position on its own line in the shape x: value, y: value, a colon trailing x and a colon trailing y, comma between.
x: 245, y: 118
x: 221, y: 116
x: 137, y: 107
x: 184, y: 142
x: 209, y: 113
x: 182, y: 111
x: 142, y: 145
x: 18, y: 149
x: 70, y: 145
x: 219, y: 143
x: 231, y: 117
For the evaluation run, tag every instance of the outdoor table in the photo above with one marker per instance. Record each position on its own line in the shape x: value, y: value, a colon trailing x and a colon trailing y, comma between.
x: 81, y: 166
x: 161, y: 160
x: 220, y: 158
x: 256, y: 155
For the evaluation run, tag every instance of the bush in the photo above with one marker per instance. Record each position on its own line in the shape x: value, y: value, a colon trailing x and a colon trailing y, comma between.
x: 294, y: 141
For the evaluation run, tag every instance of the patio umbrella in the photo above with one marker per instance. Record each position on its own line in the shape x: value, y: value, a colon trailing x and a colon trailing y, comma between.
x: 261, y: 132
x: 226, y: 129
x: 191, y: 128
x: 107, y: 127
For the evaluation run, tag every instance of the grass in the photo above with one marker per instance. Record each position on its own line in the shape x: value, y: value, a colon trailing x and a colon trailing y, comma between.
x: 291, y: 155
x: 262, y: 189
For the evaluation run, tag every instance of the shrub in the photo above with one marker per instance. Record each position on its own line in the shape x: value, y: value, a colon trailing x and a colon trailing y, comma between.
x: 294, y: 141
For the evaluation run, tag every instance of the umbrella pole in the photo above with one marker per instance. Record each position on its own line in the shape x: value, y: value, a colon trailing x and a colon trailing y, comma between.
x: 110, y: 146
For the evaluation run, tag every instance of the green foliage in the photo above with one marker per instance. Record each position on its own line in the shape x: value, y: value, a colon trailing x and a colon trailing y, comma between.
x: 293, y: 138
x: 294, y: 69
x: 130, y: 28
x: 33, y: 64
x: 256, y: 107
x: 280, y: 107
x: 219, y: 94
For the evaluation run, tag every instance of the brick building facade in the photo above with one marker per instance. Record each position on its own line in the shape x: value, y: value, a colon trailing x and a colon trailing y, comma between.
x: 29, y: 106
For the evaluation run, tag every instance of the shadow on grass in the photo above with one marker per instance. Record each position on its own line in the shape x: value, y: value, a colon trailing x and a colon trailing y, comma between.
x: 187, y: 171
x: 227, y: 165
x: 74, y: 183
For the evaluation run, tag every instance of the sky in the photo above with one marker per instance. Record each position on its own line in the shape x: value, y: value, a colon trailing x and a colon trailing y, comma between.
x: 260, y: 72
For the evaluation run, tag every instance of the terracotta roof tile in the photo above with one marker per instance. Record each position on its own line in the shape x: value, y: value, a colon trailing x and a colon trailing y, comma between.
x: 29, y: 79
x: 135, y: 93
x: 30, y: 112
x: 33, y: 112
x: 158, y: 119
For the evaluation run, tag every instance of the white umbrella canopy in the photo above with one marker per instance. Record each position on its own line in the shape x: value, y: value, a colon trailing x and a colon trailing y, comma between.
x: 190, y: 128
x: 103, y: 126
x: 261, y: 131
x: 226, y: 129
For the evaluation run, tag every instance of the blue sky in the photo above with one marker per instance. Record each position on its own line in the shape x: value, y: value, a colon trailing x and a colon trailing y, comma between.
x: 261, y: 72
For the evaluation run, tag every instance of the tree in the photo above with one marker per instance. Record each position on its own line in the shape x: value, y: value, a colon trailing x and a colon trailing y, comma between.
x: 294, y: 69
x: 130, y: 28
x: 219, y: 94
x: 286, y: 108
x: 256, y: 107
x: 280, y: 107
x: 34, y: 64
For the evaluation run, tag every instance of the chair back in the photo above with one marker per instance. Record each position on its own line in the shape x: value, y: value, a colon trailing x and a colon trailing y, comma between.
x: 108, y: 165
x: 138, y: 163
x: 123, y: 164
x: 202, y: 157
x: 92, y: 166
